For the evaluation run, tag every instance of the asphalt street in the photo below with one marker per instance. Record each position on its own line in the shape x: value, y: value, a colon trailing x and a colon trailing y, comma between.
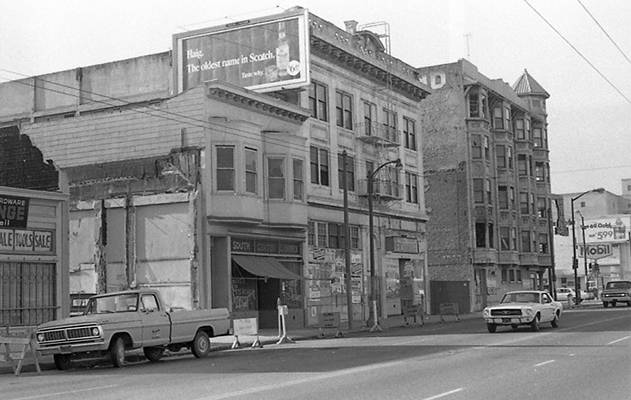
x: 587, y: 357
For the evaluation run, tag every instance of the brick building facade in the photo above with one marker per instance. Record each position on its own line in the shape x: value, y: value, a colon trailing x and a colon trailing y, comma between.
x: 488, y: 185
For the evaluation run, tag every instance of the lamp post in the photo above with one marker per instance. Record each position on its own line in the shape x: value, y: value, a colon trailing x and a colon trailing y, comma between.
x: 371, y: 240
x: 574, y: 259
x: 584, y: 248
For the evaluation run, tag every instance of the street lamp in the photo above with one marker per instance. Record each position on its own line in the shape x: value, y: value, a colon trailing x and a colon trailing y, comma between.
x: 373, y: 297
x: 574, y: 259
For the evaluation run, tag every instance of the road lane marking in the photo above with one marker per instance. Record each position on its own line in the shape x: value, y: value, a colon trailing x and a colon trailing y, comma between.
x: 438, y: 396
x: 619, y: 340
x: 309, y: 379
x: 544, y: 363
x: 42, y: 396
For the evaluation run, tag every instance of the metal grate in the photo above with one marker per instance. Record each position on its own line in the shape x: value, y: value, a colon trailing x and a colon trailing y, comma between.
x: 501, y: 313
x: 27, y: 293
x: 52, y: 336
x: 79, y: 333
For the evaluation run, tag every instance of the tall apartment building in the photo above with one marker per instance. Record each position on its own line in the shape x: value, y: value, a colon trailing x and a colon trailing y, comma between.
x: 485, y: 149
x: 215, y: 172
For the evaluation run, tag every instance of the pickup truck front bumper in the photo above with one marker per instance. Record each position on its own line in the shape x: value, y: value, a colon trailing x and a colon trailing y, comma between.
x: 72, y: 348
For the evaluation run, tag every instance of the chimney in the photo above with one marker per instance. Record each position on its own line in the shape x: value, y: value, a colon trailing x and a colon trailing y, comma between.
x: 351, y: 26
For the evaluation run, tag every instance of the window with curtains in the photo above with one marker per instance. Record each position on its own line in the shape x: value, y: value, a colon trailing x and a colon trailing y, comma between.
x: 350, y: 172
x: 318, y: 101
x: 225, y: 167
x: 298, y: 179
x: 344, y: 110
x: 276, y: 178
x: 319, y: 166
x: 251, y: 156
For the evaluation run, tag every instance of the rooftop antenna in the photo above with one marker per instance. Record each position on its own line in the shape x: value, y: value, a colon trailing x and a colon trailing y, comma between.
x: 467, y: 37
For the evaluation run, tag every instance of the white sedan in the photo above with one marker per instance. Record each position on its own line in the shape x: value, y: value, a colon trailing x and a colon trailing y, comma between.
x: 524, y: 307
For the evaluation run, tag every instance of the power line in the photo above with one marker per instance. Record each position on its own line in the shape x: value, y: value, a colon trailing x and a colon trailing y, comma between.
x: 604, y: 31
x: 578, y: 51
x: 204, y: 124
x: 569, y: 171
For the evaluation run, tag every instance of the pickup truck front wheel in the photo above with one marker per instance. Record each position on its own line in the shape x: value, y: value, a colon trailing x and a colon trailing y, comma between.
x: 62, y: 361
x: 153, y: 354
x: 117, y: 352
x: 201, y: 344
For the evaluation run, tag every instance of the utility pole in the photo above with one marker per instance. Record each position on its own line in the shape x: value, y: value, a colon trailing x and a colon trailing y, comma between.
x: 347, y: 246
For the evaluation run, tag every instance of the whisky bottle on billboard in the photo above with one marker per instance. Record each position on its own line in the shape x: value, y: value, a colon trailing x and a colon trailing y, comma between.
x: 619, y: 230
x: 282, y: 51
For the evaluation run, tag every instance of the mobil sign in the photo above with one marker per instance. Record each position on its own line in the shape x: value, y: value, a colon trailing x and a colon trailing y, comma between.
x: 596, y: 251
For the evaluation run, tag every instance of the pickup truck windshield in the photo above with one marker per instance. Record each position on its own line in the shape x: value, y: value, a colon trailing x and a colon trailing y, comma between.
x: 619, y: 285
x: 113, y: 304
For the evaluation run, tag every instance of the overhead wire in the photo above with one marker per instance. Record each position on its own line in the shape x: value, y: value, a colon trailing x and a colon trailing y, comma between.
x: 578, y: 52
x: 156, y: 112
x: 604, y: 31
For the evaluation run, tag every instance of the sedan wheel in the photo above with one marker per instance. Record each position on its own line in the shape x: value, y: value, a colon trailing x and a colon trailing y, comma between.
x: 555, y: 321
x: 534, y: 325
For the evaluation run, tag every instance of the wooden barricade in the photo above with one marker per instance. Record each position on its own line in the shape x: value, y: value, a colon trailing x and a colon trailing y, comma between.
x: 414, y: 311
x: 329, y: 320
x: 13, y: 350
x: 449, y: 309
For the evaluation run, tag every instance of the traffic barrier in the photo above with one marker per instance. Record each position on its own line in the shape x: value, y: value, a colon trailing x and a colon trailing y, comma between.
x: 329, y: 320
x: 414, y: 311
x: 283, y: 310
x: 246, y: 326
x: 11, y: 356
x: 449, y: 309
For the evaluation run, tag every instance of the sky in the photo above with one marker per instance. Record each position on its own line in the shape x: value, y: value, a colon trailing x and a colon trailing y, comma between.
x: 589, y: 111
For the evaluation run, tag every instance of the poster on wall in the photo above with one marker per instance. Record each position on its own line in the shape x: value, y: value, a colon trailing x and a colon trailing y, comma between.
x: 263, y: 55
x: 326, y: 276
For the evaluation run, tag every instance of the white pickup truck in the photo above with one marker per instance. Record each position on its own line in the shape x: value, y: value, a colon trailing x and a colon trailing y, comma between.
x: 115, y: 322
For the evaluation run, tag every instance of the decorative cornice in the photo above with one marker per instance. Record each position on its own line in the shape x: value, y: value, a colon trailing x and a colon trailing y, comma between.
x: 261, y: 103
x: 347, y: 50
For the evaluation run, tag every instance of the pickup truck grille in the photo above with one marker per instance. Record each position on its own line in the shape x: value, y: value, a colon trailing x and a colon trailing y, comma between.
x: 67, y: 334
x: 621, y: 294
x: 505, y: 312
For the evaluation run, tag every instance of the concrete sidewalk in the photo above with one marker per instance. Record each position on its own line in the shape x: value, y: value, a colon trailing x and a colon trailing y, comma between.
x: 266, y: 337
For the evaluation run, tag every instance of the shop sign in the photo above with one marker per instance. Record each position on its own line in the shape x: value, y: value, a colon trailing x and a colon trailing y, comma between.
x: 264, y: 246
x: 13, y: 211
x: 261, y: 55
x: 596, y: 251
x: 26, y: 241
x: 401, y: 244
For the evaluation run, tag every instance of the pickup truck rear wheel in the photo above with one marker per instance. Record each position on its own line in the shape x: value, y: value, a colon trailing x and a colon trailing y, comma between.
x: 117, y: 352
x: 201, y: 344
x: 62, y: 361
x: 153, y: 354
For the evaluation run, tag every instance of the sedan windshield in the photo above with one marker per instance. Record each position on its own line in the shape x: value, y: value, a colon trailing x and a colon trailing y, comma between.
x: 520, y: 298
x: 113, y: 304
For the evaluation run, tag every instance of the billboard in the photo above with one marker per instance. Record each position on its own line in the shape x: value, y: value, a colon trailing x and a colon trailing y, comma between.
x: 606, y: 229
x: 261, y: 55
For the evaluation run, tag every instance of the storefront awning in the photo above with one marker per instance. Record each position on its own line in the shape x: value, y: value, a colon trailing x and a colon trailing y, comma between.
x: 267, y: 267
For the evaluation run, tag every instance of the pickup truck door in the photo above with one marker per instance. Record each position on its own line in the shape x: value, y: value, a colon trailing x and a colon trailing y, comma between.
x: 156, y: 325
